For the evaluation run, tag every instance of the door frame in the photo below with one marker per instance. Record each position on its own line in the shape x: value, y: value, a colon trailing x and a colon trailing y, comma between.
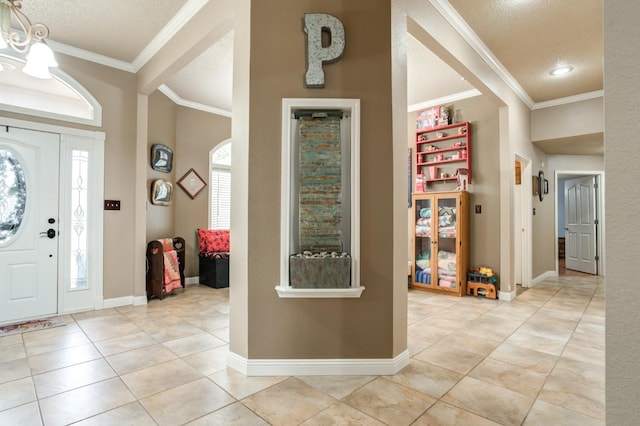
x: 92, y: 141
x: 600, y: 212
x: 523, y: 222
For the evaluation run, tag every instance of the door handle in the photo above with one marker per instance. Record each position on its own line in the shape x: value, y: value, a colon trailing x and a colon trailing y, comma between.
x: 50, y: 233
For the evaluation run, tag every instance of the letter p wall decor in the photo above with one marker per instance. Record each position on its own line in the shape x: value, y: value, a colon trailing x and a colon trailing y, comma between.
x: 317, y: 25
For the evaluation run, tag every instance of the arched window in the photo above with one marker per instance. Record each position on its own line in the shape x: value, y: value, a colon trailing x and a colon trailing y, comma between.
x: 220, y: 186
x: 59, y: 98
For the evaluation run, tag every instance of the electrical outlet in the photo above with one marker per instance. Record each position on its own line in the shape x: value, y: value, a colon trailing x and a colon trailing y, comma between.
x: 112, y: 204
x: 478, y: 209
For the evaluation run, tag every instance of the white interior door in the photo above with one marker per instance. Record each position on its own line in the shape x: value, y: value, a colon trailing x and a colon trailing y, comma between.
x: 29, y: 162
x: 580, y: 224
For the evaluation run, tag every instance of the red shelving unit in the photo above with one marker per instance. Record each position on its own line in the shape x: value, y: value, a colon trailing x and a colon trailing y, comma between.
x: 447, y: 148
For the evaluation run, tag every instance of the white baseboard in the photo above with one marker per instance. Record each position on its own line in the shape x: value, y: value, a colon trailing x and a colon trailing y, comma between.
x: 191, y: 280
x: 140, y: 300
x: 507, y: 296
x: 537, y: 280
x: 318, y: 367
x: 118, y: 301
x: 124, y: 301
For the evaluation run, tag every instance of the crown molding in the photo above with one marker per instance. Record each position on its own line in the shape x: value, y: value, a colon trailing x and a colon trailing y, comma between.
x: 91, y: 56
x: 193, y: 105
x: 569, y: 99
x: 445, y: 100
x: 184, y: 15
x: 459, y: 24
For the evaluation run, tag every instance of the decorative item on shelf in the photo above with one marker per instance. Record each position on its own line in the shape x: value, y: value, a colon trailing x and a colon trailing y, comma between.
x: 439, y: 157
x: 420, y: 183
x: 161, y: 192
x: 462, y: 130
x: 192, y: 183
x: 161, y: 158
x: 431, y: 148
x: 462, y: 178
x: 433, y: 172
x: 440, y: 135
x: 29, y: 39
x: 444, y: 118
x: 428, y: 118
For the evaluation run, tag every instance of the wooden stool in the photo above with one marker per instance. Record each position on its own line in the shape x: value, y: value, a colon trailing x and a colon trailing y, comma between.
x: 477, y: 289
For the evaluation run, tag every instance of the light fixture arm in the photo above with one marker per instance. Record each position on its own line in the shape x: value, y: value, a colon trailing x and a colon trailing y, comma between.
x: 32, y: 32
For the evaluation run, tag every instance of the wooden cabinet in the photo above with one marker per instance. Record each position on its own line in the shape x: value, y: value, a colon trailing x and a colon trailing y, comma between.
x: 440, y: 258
x: 442, y: 150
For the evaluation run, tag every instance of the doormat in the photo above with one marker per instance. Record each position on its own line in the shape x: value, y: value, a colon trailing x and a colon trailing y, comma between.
x: 35, y: 325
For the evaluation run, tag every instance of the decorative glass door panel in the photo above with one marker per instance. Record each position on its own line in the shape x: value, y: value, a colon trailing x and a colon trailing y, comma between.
x: 423, y: 241
x: 447, y: 237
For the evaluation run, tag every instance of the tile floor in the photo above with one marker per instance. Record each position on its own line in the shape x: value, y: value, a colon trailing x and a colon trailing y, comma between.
x: 538, y: 360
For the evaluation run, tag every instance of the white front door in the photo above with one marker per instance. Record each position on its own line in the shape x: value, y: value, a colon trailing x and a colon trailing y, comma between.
x: 580, y: 224
x: 29, y: 162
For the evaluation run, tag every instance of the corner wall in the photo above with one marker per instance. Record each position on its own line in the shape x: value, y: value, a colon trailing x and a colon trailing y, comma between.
x: 622, y: 91
x: 197, y: 133
x: 317, y: 328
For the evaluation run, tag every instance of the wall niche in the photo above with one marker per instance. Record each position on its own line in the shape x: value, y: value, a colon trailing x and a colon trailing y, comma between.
x: 320, y: 210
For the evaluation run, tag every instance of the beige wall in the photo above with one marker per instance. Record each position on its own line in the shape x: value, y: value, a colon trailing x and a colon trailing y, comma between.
x: 116, y: 92
x: 484, y: 228
x: 622, y: 91
x: 320, y: 328
x: 192, y: 134
x: 573, y: 119
x: 197, y: 133
x: 161, y: 130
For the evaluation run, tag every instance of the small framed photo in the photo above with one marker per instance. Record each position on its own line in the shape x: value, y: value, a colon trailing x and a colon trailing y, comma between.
x: 161, y: 192
x: 192, y: 183
x: 546, y: 186
x: 161, y: 158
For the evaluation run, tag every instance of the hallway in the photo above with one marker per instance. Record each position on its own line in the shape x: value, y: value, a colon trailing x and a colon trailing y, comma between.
x: 538, y: 360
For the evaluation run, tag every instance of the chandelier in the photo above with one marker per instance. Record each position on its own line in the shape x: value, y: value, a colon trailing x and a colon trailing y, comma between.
x: 28, y: 39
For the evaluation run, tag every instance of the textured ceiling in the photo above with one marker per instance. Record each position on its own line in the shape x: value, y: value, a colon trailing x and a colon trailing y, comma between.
x: 428, y: 77
x: 118, y: 29
x: 217, y: 65
x: 531, y: 37
x: 527, y: 37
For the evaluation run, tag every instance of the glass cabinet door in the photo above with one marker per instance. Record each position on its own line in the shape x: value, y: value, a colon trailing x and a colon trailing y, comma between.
x: 423, y: 240
x: 446, y: 243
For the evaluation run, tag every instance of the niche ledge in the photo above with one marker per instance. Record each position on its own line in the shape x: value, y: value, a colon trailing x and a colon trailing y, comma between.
x: 285, y: 291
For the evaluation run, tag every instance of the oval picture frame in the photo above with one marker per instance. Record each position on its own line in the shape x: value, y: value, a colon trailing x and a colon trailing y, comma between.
x: 541, y: 182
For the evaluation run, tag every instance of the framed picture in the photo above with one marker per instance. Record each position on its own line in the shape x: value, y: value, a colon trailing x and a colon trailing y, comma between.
x: 161, y: 158
x: 192, y: 183
x: 161, y: 192
x: 541, y: 181
x: 546, y: 186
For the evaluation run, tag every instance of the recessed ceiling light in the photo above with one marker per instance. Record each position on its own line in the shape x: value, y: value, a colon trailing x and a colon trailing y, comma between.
x: 562, y: 70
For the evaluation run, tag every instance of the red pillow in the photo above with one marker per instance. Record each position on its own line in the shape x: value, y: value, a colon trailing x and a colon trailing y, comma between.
x: 202, y: 244
x: 213, y: 240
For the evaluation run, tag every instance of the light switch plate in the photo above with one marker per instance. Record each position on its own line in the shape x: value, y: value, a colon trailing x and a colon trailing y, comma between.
x: 112, y: 204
